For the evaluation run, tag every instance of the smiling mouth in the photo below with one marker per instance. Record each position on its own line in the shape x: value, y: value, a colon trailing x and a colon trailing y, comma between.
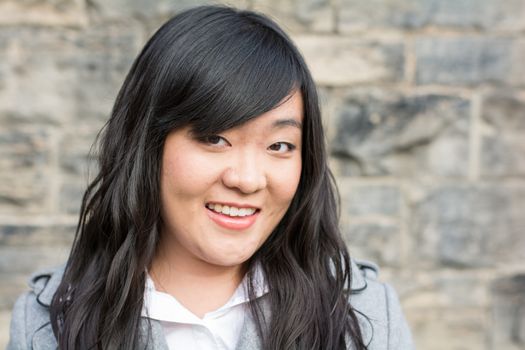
x: 232, y: 217
x: 231, y: 211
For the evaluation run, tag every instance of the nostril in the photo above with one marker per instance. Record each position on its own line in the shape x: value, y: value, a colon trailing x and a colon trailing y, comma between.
x: 247, y: 178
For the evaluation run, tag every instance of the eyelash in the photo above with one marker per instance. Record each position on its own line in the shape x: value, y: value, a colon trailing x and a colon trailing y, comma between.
x: 207, y: 140
x: 289, y: 145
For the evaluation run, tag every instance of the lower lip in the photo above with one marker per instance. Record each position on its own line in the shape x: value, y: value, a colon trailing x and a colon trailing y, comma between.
x: 232, y: 222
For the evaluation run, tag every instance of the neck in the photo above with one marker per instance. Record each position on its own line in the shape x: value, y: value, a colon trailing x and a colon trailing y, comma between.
x: 198, y: 285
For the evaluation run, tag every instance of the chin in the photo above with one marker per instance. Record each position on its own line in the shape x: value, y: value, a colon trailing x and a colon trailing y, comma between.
x: 228, y: 261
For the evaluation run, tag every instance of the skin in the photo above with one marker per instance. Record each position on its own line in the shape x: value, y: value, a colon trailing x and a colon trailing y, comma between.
x: 200, y: 262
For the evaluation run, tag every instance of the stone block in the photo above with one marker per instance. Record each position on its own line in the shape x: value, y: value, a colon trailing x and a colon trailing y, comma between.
x: 25, y: 172
x: 360, y: 200
x: 54, y: 235
x: 508, y: 313
x: 65, y: 76
x: 18, y: 263
x: 25, y: 260
x: 5, y: 319
x: 491, y: 15
x: 469, y: 225
x: 162, y: 9
x: 446, y: 309
x: 13, y: 285
x: 469, y: 60
x: 70, y: 13
x: 485, y: 14
x: 299, y: 16
x: 71, y: 192
x: 78, y: 153
x: 385, y: 133
x: 25, y: 249
x: 503, y: 142
x: 324, y: 95
x: 35, y: 90
x: 370, y: 240
x: 4, y: 66
x: 448, y: 328
x: 339, y: 61
x: 102, y: 59
x: 79, y: 166
x: 444, y: 288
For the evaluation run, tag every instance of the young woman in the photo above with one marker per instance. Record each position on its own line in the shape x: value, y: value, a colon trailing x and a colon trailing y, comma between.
x: 212, y: 223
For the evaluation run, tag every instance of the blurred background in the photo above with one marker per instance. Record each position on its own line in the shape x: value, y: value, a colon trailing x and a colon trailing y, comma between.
x: 424, y: 106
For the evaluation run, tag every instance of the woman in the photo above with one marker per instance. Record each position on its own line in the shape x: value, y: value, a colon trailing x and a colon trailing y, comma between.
x: 212, y: 222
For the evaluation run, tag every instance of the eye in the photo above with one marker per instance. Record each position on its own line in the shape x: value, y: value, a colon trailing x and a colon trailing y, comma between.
x: 215, y: 140
x: 282, y: 147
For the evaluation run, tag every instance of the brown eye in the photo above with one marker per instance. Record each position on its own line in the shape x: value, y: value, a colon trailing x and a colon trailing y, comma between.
x: 281, y: 147
x: 215, y: 140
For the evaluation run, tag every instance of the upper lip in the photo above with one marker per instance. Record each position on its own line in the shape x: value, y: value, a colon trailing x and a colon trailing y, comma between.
x: 236, y: 205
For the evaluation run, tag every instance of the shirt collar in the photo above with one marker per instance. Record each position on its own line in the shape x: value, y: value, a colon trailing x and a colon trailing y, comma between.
x: 164, y: 307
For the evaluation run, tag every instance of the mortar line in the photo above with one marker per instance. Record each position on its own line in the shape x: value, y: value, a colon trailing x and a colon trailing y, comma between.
x: 474, y: 138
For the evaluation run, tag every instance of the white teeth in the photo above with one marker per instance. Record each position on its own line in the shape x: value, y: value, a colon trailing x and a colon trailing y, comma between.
x: 231, y: 211
x: 249, y: 211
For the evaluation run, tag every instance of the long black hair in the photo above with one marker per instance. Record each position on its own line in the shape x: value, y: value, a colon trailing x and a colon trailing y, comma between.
x: 210, y: 68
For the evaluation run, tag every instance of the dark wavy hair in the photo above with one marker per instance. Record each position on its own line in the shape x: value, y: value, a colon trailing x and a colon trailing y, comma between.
x: 211, y: 68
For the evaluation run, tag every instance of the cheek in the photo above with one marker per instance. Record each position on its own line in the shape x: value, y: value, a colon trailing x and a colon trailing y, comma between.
x: 186, y: 174
x: 285, y: 182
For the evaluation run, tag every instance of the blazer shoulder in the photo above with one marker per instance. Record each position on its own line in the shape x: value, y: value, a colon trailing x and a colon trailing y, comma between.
x: 379, y: 311
x: 361, y: 272
x: 368, y: 269
x: 30, y: 323
x: 399, y: 334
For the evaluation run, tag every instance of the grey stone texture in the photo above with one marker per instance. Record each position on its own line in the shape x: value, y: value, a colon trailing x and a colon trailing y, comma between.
x: 23, y: 248
x: 70, y: 13
x: 299, y: 16
x: 469, y: 226
x: 78, y: 152
x: 508, y: 312
x: 487, y: 15
x: 78, y: 165
x: 363, y: 200
x: 341, y: 61
x: 370, y: 220
x: 503, y: 149
x: 470, y: 60
x: 448, y: 309
x: 377, y: 241
x: 69, y: 75
x: 25, y: 157
x: 381, y: 132
x: 144, y: 9
x: 424, y: 109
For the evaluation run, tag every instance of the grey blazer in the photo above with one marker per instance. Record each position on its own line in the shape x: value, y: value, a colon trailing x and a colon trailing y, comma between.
x: 386, y: 327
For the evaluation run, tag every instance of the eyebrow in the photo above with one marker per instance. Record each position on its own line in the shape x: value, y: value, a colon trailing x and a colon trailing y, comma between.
x: 287, y: 122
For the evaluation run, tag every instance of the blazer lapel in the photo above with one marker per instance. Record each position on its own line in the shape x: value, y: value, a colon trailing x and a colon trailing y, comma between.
x: 249, y: 339
x: 156, y: 339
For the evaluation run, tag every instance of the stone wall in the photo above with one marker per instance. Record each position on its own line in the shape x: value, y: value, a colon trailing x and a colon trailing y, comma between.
x: 424, y: 104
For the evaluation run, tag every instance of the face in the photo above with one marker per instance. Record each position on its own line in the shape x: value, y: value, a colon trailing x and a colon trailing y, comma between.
x: 222, y: 195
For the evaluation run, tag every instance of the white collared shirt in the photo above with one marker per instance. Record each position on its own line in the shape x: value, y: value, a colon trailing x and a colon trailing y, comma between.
x: 219, y: 329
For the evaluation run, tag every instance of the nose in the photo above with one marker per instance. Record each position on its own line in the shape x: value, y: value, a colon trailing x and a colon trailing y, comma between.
x: 245, y: 173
